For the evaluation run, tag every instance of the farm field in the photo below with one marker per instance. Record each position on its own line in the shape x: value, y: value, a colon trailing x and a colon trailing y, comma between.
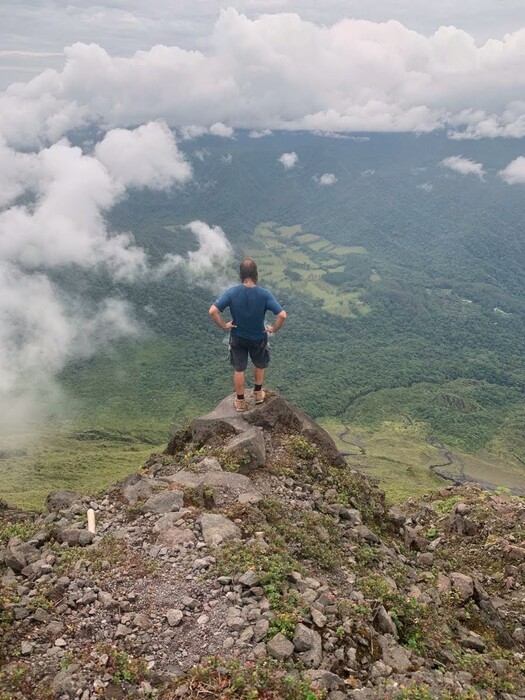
x: 299, y: 261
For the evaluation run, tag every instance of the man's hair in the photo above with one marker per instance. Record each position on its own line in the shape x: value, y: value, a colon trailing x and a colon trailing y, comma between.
x: 248, y: 270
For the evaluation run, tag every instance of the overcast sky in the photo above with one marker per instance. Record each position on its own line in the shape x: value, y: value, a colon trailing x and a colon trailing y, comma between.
x: 34, y: 32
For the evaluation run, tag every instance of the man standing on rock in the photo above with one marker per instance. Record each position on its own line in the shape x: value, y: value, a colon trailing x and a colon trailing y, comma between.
x: 248, y: 336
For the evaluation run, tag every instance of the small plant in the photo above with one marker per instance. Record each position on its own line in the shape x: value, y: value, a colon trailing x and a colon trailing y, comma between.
x: 23, y: 529
x: 236, y: 680
x: 447, y: 505
x: 301, y: 448
x: 432, y: 533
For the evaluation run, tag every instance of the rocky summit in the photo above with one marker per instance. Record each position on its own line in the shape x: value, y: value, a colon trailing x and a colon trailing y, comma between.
x: 250, y: 561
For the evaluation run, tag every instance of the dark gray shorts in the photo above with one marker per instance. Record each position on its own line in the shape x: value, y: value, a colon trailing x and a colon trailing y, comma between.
x: 240, y: 348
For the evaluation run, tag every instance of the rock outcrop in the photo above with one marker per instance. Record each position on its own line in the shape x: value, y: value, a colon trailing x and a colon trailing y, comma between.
x: 249, y: 543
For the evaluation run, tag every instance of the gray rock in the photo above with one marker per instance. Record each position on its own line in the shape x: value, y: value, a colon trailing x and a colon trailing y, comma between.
x: 260, y: 629
x: 313, y: 657
x: 175, y: 537
x: 67, y: 681
x: 26, y: 648
x: 122, y: 631
x: 62, y: 500
x: 136, y: 487
x: 223, y: 420
x: 217, y: 528
x: 250, y: 578
x: 19, y: 556
x: 384, y: 623
x: 464, y: 585
x: 249, y: 447
x: 394, y: 655
x: 166, y: 522
x: 324, y: 680
x: 75, y: 537
x: 174, y: 617
x: 276, y: 412
x: 142, y: 621
x: 280, y: 647
x: 303, y: 638
x: 319, y: 619
x: 165, y: 502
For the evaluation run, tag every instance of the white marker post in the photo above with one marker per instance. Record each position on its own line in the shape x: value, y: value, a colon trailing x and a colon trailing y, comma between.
x: 91, y: 520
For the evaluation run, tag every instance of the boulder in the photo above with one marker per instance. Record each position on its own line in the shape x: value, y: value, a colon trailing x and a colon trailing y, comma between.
x: 62, y: 500
x: 74, y: 537
x: 165, y: 502
x: 18, y: 557
x: 394, y: 655
x: 279, y: 647
x: 216, y: 528
x: 463, y: 584
x: 174, y: 537
x: 277, y: 413
x: 223, y: 420
x: 249, y: 447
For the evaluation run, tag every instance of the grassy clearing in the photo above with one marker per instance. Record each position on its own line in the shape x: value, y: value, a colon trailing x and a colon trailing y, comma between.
x: 56, y: 460
x: 296, y: 260
x: 398, y: 455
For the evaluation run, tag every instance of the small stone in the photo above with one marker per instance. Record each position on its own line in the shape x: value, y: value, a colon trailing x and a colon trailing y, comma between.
x: 463, y: 584
x: 60, y: 642
x: 122, y: 630
x: 260, y: 629
x: 26, y: 648
x: 174, y: 617
x: 203, y: 619
x: 319, y: 619
x: 280, y: 647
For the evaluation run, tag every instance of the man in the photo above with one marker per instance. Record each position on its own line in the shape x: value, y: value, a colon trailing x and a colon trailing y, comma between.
x: 248, y: 305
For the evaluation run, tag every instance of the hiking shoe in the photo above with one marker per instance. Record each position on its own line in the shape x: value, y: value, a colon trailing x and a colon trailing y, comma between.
x: 259, y: 396
x: 240, y: 404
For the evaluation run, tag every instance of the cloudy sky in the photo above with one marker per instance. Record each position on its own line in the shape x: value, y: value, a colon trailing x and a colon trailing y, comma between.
x: 138, y: 68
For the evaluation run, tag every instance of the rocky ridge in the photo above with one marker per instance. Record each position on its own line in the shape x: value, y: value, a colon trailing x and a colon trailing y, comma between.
x: 249, y: 561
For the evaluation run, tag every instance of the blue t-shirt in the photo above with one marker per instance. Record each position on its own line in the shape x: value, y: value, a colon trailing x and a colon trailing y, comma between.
x: 248, y: 306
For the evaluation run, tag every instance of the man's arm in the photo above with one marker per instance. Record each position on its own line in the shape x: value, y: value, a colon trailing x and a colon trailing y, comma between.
x: 280, y: 318
x: 216, y: 318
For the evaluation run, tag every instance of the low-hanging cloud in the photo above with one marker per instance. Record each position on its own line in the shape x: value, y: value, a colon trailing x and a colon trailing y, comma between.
x: 206, y: 264
x: 281, y: 72
x: 326, y: 179
x: 145, y: 157
x: 55, y: 201
x: 288, y: 160
x: 514, y: 173
x: 463, y: 166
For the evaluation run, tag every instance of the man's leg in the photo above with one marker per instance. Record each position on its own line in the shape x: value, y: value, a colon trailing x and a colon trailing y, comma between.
x: 258, y: 376
x: 238, y: 381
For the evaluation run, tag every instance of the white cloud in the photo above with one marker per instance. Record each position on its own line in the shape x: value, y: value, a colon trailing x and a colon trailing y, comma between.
x: 60, y: 223
x: 206, y: 264
x: 222, y: 130
x: 201, y: 154
x: 368, y: 173
x: 254, y: 134
x: 514, y: 173
x: 281, y: 72
x: 228, y: 158
x: 288, y: 160
x: 425, y: 186
x: 145, y: 157
x: 463, y: 166
x: 326, y: 179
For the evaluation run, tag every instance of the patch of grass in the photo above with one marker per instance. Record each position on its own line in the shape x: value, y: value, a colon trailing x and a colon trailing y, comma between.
x: 308, y: 535
x: 446, y: 505
x: 23, y: 529
x: 237, y: 680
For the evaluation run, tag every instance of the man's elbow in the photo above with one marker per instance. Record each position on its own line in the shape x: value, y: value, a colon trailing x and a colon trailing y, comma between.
x: 213, y: 310
x: 282, y: 315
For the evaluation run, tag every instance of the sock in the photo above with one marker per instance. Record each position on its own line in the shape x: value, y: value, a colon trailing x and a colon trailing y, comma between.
x: 240, y: 396
x: 258, y: 387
